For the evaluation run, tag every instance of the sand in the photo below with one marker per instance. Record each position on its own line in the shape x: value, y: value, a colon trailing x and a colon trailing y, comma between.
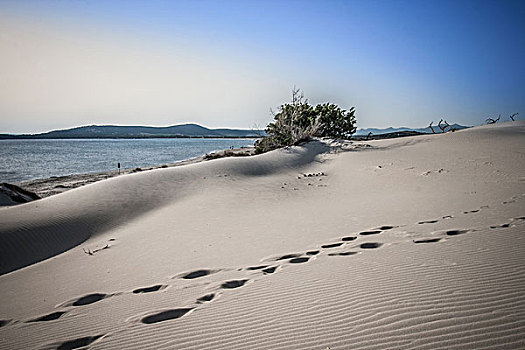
x: 411, y: 243
x: 59, y: 184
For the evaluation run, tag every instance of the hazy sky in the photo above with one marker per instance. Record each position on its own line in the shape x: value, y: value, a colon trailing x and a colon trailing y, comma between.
x: 226, y: 63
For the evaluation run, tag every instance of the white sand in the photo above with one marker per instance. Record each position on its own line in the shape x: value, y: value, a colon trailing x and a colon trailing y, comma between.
x: 449, y: 274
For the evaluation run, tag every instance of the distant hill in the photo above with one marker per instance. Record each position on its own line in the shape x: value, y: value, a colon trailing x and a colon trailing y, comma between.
x: 114, y: 131
x: 375, y: 131
x: 182, y: 131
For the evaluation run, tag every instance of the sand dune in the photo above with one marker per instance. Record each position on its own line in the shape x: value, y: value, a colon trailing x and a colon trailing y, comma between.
x: 406, y: 243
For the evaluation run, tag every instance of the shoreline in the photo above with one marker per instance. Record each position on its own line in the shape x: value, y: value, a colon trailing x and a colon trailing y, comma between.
x: 53, y: 185
x: 46, y: 187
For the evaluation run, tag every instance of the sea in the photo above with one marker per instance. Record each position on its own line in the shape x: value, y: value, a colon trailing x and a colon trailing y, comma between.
x: 22, y: 160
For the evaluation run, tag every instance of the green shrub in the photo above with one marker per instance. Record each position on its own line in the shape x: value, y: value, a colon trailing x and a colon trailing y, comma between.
x: 298, y: 121
x: 335, y: 122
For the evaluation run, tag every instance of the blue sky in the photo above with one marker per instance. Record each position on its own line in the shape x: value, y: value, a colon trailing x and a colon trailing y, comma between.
x: 226, y: 63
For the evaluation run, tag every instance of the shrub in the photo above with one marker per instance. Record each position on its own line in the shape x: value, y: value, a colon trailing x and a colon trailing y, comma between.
x: 335, y: 122
x: 298, y: 121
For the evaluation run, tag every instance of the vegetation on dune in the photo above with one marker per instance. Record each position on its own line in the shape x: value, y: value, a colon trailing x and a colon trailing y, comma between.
x: 299, y: 121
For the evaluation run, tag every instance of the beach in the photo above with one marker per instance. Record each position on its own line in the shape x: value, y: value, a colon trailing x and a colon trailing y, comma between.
x: 57, y: 184
x: 404, y: 243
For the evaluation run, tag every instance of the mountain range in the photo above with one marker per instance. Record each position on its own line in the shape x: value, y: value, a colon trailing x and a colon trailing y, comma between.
x: 182, y: 131
x: 114, y: 131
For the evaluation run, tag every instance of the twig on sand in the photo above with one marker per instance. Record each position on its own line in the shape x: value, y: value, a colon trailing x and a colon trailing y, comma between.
x: 89, y: 252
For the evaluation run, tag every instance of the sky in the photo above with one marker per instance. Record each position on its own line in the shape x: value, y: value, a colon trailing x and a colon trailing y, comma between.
x: 229, y: 63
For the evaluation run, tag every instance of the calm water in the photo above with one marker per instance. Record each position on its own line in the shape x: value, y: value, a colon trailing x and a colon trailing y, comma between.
x: 36, y: 159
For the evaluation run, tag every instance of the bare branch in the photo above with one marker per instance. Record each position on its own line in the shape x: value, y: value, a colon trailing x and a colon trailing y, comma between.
x: 257, y: 129
x: 447, y: 125
x: 442, y: 127
x: 431, y: 128
x: 493, y: 121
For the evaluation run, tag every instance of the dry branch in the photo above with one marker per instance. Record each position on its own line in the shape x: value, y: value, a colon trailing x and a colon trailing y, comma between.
x: 493, y: 121
x: 431, y: 128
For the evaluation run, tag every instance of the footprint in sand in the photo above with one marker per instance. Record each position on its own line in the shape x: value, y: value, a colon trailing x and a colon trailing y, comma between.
x: 331, y: 245
x: 312, y: 252
x: 76, y: 343
x: 4, y: 323
x: 269, y: 270
x: 288, y: 256
x: 427, y: 222
x: 165, y: 315
x: 196, y: 274
x: 150, y: 289
x: 427, y: 240
x: 299, y: 260
x: 342, y: 254
x: 455, y: 232
x: 349, y: 238
x: 369, y: 233
x: 87, y: 299
x: 266, y: 269
x: 370, y: 245
x: 471, y: 211
x: 206, y: 298
x: 234, y: 284
x: 386, y: 227
x: 49, y: 317
x: 501, y: 226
